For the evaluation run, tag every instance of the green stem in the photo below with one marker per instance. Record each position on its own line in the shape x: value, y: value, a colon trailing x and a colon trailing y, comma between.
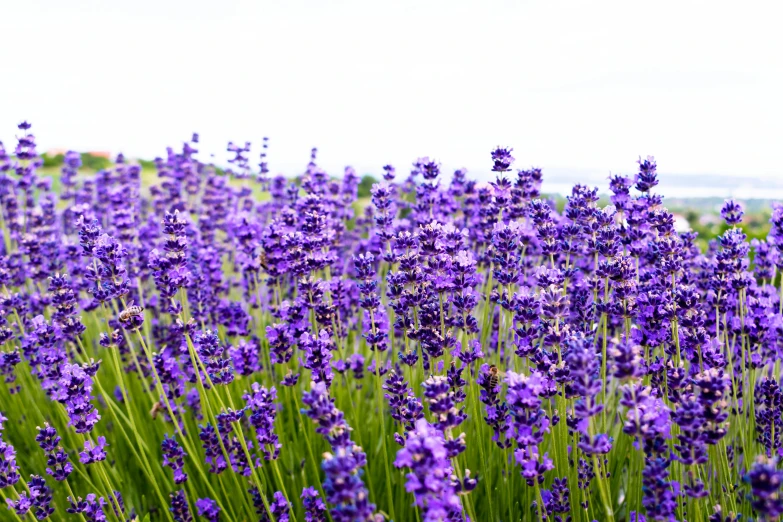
x: 381, y: 416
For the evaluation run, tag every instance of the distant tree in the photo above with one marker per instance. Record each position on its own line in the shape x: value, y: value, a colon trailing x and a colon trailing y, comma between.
x: 52, y: 161
x: 92, y: 162
x: 693, y: 218
x: 147, y: 164
x: 365, y: 185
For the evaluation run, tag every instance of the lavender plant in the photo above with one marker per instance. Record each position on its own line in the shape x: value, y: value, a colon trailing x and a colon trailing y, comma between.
x: 223, y: 345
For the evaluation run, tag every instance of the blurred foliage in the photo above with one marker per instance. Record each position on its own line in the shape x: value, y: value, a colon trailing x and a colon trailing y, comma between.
x: 95, y: 162
x: 89, y: 161
x: 365, y: 185
x: 755, y: 226
x: 52, y: 161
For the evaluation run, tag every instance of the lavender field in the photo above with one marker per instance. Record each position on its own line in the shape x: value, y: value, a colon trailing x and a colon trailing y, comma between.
x: 222, y: 344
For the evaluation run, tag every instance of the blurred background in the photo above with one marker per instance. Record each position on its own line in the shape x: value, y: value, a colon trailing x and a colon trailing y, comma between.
x: 580, y: 89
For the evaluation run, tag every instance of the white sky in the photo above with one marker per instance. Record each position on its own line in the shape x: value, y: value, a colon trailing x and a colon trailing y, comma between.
x: 587, y: 86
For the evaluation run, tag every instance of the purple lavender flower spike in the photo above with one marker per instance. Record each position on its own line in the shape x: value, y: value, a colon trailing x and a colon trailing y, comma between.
x: 343, y: 484
x: 281, y: 343
x: 279, y: 507
x: 315, y: 509
x: 213, y: 451
x: 208, y: 509
x: 502, y: 159
x: 388, y: 172
x: 212, y: 351
x: 261, y: 405
x: 91, y: 507
x: 8, y: 361
x: 174, y: 458
x: 429, y: 479
x: 731, y: 212
x: 93, y: 452
x: 180, y: 511
x: 59, y: 467
x: 318, y: 354
x: 646, y: 179
x: 556, y: 500
x: 20, y: 506
x: 74, y: 390
x: 343, y: 466
x: 245, y: 357
x: 9, y: 470
x: 39, y: 500
x: 765, y: 481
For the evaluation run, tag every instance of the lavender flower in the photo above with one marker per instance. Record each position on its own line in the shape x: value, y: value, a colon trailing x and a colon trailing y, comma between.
x: 731, y: 212
x: 318, y: 354
x: 442, y: 401
x: 261, y: 404
x: 211, y: 351
x: 429, y: 480
x: 213, y: 451
x: 765, y: 481
x: 9, y: 470
x: 527, y: 423
x: 315, y: 509
x: 628, y: 362
x: 646, y: 179
x: 502, y: 159
x: 174, y: 458
x: 343, y: 485
x: 38, y: 500
x: 74, y: 392
x: 91, y: 507
x: 93, y: 452
x: 585, y: 382
x: 57, y: 461
x: 208, y: 509
x: 556, y: 500
x: 180, y: 511
x: 279, y: 507
x: 245, y: 357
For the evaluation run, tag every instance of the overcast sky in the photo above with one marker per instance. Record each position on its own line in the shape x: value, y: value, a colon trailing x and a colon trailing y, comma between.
x: 586, y: 86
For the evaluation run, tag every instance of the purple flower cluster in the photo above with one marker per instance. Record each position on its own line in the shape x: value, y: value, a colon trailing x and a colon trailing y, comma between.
x: 617, y: 364
x: 405, y: 407
x: 38, y: 499
x: 91, y: 507
x: 57, y: 461
x: 180, y: 511
x: 278, y: 507
x: 208, y: 509
x: 527, y: 423
x: 261, y: 405
x: 765, y: 481
x: 212, y: 351
x: 9, y: 469
x: 174, y: 458
x: 93, y: 452
x: 317, y: 356
x: 315, y: 509
x: 430, y: 473
x: 74, y: 391
x: 343, y: 485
